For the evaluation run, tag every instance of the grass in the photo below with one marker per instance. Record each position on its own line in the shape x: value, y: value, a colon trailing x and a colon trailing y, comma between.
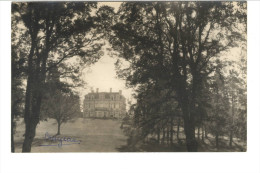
x: 96, y: 135
x: 150, y: 144
x: 105, y: 135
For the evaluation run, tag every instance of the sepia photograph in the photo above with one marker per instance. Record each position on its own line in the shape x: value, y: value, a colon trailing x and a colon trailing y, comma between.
x: 147, y: 76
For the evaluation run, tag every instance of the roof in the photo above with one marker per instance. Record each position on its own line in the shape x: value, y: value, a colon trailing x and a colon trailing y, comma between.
x: 107, y: 94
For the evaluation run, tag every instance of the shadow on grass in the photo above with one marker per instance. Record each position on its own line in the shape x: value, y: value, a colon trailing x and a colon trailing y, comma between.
x: 43, y: 141
x: 153, y: 148
x: 36, y: 142
x: 207, y: 146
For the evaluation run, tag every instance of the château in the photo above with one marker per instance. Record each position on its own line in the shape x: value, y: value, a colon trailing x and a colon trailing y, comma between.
x: 104, y: 104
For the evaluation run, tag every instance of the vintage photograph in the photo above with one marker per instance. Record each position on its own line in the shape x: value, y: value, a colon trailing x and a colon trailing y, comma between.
x: 129, y: 76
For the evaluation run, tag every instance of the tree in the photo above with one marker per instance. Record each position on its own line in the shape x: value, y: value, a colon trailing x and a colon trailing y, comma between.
x: 59, y: 101
x: 18, y: 74
x: 236, y: 88
x: 62, y: 107
x: 220, y: 106
x: 177, y: 42
x: 57, y: 31
x: 17, y: 96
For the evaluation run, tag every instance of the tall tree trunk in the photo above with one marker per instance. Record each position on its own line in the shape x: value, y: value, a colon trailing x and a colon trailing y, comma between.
x: 189, y: 128
x: 188, y: 110
x: 231, y: 138
x: 163, y: 137
x: 217, y: 140
x: 206, y: 132
x: 191, y: 143
x: 178, y: 129
x: 35, y: 84
x: 158, y: 135
x: 232, y: 123
x: 58, y: 132
x: 171, y: 137
x: 12, y: 133
x: 202, y: 133
x: 28, y: 99
x: 33, y: 120
x: 32, y: 116
x: 33, y: 95
x: 27, y: 114
x: 13, y: 123
x: 29, y: 136
x: 168, y: 134
x: 198, y: 133
x: 33, y: 101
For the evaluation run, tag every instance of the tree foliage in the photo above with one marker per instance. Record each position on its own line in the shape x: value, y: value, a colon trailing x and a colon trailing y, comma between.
x: 175, y: 47
x: 59, y: 102
x: 56, y: 33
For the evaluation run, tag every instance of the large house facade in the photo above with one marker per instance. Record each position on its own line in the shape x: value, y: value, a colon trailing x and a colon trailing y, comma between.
x: 104, y: 104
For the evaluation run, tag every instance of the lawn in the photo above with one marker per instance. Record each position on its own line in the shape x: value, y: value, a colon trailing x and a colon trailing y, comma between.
x: 105, y: 135
x: 92, y: 135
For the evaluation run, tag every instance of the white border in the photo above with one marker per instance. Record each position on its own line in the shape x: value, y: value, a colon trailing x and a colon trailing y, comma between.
x: 247, y: 162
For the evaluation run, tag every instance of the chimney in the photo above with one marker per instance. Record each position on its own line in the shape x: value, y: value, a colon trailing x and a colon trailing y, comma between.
x: 120, y: 92
x: 110, y: 90
x: 97, y: 90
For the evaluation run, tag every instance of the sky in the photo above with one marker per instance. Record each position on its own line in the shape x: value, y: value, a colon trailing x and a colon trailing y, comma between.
x: 112, y: 4
x: 102, y: 75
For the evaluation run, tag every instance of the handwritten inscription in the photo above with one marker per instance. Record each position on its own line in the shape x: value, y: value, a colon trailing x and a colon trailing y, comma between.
x: 61, y: 140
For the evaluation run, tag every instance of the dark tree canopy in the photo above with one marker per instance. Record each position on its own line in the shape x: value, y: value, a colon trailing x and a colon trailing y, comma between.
x: 55, y: 32
x: 175, y: 46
